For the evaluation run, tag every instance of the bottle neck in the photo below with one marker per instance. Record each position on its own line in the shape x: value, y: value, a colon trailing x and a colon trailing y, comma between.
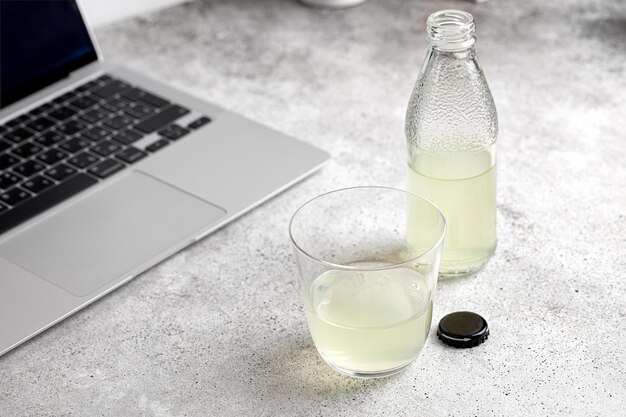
x: 462, y: 54
x: 451, y: 31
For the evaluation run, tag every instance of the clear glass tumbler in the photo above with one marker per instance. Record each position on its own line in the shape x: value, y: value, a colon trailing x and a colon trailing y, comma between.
x: 368, y: 285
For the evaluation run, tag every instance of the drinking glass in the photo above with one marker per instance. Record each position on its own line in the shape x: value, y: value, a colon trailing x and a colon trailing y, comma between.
x: 368, y: 259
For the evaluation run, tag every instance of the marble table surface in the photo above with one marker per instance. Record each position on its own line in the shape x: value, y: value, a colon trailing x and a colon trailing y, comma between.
x: 219, y: 329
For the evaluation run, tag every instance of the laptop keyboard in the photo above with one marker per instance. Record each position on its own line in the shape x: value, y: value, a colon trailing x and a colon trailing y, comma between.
x: 80, y: 138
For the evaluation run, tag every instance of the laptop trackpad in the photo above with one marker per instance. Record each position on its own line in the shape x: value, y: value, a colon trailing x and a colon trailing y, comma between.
x: 110, y: 234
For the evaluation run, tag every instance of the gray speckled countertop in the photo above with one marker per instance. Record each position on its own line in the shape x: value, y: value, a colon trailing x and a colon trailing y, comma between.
x: 219, y: 329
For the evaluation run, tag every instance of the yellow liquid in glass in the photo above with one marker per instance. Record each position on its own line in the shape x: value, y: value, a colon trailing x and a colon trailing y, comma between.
x: 463, y: 186
x: 372, y: 322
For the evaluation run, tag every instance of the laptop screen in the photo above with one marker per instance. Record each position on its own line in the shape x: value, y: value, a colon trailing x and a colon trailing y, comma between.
x: 40, y: 42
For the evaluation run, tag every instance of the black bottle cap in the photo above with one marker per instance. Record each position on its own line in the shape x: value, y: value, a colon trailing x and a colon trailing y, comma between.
x: 463, y: 329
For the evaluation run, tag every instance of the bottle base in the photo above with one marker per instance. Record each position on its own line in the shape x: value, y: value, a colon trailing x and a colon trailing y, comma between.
x: 466, y: 267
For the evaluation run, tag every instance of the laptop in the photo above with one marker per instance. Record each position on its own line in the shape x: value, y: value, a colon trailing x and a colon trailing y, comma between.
x: 105, y: 172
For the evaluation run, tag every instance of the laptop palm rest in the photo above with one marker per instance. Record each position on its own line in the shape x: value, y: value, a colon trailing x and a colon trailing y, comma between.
x: 110, y: 234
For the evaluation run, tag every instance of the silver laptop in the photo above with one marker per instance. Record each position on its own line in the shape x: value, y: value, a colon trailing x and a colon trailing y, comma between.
x: 104, y: 172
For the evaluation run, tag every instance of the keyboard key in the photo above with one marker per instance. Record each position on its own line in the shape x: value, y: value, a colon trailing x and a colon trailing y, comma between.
x: 51, y: 156
x: 173, y: 132
x: 159, y: 144
x: 199, y: 122
x: 97, y: 133
x: 29, y: 168
x: 82, y: 88
x: 139, y: 94
x: 104, y: 78
x: 75, y: 144
x: 41, y: 124
x: 94, y: 115
x: 41, y: 109
x: 45, y: 200
x: 50, y: 138
x: 27, y: 150
x: 61, y: 172
x: 117, y: 122
x: 83, y: 160
x: 3, y: 129
x: 17, y: 121
x: 131, y: 155
x: 3, y: 208
x: 84, y: 102
x: 18, y: 135
x: 7, y: 161
x: 115, y: 104
x: 161, y: 119
x: 63, y: 98
x: 106, y: 168
x: 68, y: 96
x: 4, y: 145
x: 37, y: 184
x: 106, y: 148
x: 14, y: 196
x: 111, y: 89
x: 92, y: 85
x: 127, y: 137
x: 138, y: 110
x: 8, y: 179
x: 71, y: 127
x: 62, y: 113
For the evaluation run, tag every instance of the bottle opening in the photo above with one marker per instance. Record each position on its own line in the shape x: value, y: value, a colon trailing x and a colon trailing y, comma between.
x: 451, y: 30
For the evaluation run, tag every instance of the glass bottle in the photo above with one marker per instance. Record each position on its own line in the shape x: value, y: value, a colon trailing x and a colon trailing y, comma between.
x: 451, y: 130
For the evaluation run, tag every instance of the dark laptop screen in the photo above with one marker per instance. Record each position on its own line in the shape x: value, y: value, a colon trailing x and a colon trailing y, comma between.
x: 40, y: 42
